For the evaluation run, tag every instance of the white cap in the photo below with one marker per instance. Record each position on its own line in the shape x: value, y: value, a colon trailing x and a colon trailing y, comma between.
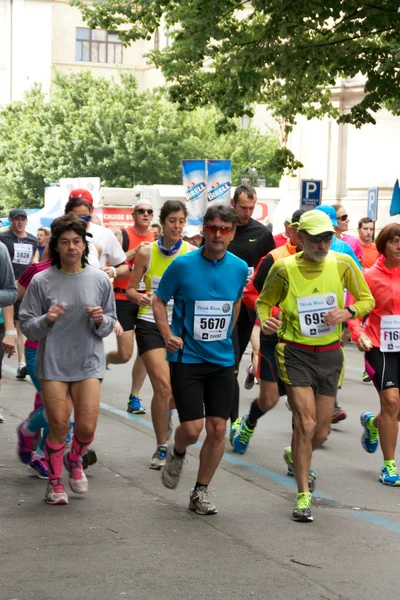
x: 141, y: 201
x: 190, y: 231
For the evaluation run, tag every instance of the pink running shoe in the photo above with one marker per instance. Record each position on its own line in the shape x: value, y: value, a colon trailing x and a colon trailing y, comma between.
x: 25, y: 445
x: 55, y: 492
x: 77, y: 479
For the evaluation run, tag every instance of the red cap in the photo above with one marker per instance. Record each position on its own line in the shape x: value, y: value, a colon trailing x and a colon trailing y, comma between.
x: 81, y: 193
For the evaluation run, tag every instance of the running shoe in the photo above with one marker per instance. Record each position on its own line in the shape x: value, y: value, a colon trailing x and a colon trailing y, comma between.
x: 159, y: 458
x: 302, y: 511
x: 338, y: 415
x: 21, y: 371
x: 288, y: 458
x: 200, y: 503
x: 170, y: 426
x: 55, y: 492
x: 89, y: 458
x: 25, y: 445
x: 68, y: 441
x: 241, y: 439
x: 370, y: 435
x: 39, y: 468
x: 389, y: 475
x: 171, y: 471
x: 250, y: 377
x: 77, y: 479
x: 135, y: 405
x: 365, y: 377
x: 234, y: 429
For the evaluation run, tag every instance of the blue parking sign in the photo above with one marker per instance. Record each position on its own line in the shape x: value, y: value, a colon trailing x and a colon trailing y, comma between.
x: 310, y: 193
x: 372, y: 210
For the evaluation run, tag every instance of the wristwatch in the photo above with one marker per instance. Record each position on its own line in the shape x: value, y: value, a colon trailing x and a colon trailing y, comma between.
x: 352, y: 311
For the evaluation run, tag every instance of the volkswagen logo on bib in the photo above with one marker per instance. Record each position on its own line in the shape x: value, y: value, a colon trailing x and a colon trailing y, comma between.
x: 226, y: 308
x: 330, y: 300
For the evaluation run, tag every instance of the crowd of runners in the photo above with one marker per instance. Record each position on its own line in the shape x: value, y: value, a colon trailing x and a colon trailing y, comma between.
x: 194, y: 299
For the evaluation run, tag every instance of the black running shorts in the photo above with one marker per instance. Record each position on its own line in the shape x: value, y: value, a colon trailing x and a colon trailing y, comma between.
x: 127, y: 313
x: 147, y: 337
x: 383, y: 368
x: 202, y: 389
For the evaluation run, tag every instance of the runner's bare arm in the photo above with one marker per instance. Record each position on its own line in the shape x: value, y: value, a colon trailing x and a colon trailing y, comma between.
x: 140, y: 267
x: 172, y: 342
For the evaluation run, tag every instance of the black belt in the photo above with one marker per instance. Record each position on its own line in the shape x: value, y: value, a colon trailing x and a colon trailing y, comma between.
x: 119, y: 291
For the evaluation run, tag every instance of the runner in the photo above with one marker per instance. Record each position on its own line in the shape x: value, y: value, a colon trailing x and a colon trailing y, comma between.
x: 207, y: 286
x: 308, y: 287
x: 192, y: 234
x: 270, y: 385
x: 156, y: 229
x: 281, y: 238
x: 72, y: 302
x: 380, y: 340
x: 252, y: 241
x: 369, y: 249
x: 127, y: 312
x: 22, y: 248
x: 42, y: 235
x: 150, y: 263
x: 342, y: 229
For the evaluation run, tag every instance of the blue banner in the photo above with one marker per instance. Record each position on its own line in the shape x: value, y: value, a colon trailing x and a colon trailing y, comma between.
x: 395, y: 203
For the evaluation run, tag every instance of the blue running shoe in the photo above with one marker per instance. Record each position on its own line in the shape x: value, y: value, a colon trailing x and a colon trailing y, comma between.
x: 389, y: 474
x: 370, y: 436
x: 234, y: 429
x: 135, y: 405
x: 39, y: 468
x: 242, y: 437
x: 70, y: 433
x: 159, y: 458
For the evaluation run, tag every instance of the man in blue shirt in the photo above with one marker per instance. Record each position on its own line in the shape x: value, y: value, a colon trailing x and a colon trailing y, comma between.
x: 207, y: 287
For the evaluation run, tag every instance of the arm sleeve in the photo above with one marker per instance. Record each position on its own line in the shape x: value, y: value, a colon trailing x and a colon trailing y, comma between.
x: 169, y: 283
x: 261, y: 275
x: 115, y: 254
x: 32, y: 314
x: 273, y: 291
x: 27, y: 275
x: 8, y: 289
x: 109, y: 312
x: 357, y: 286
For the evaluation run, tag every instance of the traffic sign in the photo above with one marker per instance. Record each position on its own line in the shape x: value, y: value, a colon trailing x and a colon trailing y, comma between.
x: 372, y: 210
x: 310, y: 193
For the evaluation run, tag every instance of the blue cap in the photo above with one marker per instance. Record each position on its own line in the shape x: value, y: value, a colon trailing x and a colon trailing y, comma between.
x: 330, y: 211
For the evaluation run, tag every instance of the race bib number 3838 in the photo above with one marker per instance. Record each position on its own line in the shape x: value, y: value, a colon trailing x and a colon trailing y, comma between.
x: 390, y: 333
x: 312, y: 311
x: 212, y: 320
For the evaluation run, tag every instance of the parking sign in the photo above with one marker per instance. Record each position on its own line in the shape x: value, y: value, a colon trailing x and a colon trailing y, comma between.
x: 372, y: 210
x: 310, y: 193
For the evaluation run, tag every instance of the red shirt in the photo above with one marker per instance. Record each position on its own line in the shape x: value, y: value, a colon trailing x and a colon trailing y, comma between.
x: 369, y: 255
x: 134, y: 240
x: 280, y: 240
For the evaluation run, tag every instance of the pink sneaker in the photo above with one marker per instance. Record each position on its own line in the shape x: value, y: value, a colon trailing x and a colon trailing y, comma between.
x: 77, y: 479
x: 55, y: 492
x: 25, y: 444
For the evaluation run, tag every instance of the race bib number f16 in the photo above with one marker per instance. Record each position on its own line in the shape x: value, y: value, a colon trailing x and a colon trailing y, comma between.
x: 390, y: 333
x: 312, y: 311
x: 211, y: 320
x: 22, y: 254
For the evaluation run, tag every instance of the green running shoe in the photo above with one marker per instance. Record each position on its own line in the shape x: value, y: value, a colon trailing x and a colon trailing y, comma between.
x: 302, y: 511
x: 234, y: 429
x: 288, y: 458
x: 242, y: 437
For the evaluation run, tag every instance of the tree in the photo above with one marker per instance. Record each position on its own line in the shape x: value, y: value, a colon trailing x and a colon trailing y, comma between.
x: 286, y: 55
x: 92, y: 126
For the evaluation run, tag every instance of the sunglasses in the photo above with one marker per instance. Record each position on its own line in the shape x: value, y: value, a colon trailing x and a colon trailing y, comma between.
x: 85, y: 218
x: 142, y: 211
x: 221, y: 228
x: 317, y: 239
x: 343, y: 218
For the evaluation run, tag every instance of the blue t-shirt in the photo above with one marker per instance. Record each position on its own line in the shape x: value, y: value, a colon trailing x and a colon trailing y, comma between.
x: 204, y: 293
x: 345, y: 248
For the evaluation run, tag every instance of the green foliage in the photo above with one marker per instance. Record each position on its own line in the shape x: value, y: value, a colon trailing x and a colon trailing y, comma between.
x: 92, y: 126
x: 232, y: 53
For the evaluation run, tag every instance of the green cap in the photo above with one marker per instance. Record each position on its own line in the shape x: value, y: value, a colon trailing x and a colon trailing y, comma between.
x: 315, y: 222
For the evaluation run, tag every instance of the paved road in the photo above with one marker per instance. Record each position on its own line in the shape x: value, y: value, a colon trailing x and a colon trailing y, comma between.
x: 132, y: 538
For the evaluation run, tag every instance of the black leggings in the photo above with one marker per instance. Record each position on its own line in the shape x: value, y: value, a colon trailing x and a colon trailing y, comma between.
x: 241, y: 336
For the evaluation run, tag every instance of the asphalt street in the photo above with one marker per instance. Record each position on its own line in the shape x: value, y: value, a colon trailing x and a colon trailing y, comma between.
x: 132, y: 538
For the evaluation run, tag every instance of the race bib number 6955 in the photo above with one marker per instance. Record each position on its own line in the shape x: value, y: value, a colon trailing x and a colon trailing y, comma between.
x: 211, y: 320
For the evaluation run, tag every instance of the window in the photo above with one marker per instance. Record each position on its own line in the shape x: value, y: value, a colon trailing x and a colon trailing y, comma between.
x: 157, y: 39
x: 97, y: 45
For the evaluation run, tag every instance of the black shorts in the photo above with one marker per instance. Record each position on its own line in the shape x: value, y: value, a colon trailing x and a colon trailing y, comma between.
x: 17, y: 306
x: 383, y: 368
x: 127, y: 313
x: 267, y: 367
x: 202, y: 389
x: 147, y: 337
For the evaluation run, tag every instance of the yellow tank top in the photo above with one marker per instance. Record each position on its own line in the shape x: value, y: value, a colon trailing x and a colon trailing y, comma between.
x: 307, y: 301
x: 157, y: 266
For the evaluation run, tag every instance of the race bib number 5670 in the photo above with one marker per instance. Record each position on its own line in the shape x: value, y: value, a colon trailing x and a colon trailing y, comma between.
x: 211, y: 320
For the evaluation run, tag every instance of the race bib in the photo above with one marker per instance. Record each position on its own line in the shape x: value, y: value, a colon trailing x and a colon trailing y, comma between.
x: 312, y: 310
x: 22, y: 254
x: 212, y: 320
x: 250, y: 273
x: 390, y: 333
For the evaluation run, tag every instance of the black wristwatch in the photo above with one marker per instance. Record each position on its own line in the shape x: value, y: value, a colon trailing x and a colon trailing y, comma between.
x: 352, y: 311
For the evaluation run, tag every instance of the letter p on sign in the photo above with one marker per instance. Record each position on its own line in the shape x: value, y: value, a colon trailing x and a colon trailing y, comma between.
x: 310, y: 193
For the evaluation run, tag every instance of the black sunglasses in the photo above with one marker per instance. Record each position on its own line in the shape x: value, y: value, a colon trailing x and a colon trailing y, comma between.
x: 142, y: 211
x: 343, y: 218
x: 317, y: 239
